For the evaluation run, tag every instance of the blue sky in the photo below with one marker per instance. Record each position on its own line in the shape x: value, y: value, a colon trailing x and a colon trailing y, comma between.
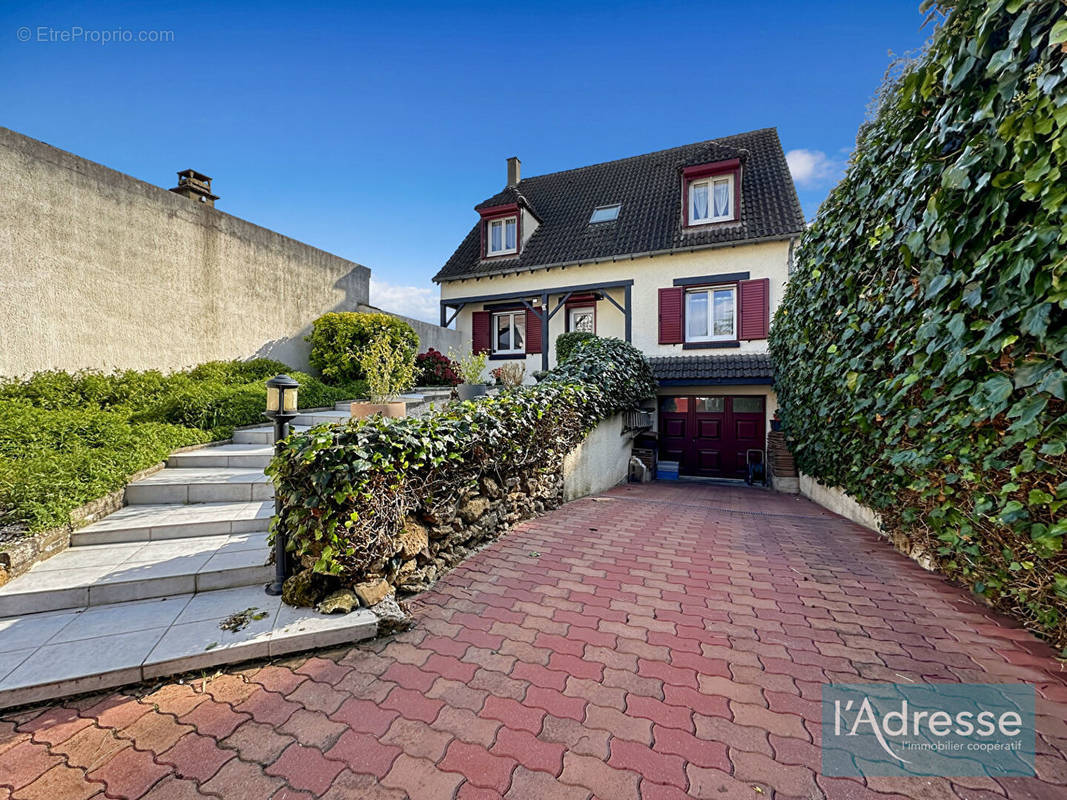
x: 371, y: 130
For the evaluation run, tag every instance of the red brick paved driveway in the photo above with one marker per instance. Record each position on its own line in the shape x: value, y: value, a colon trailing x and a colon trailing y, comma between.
x: 658, y: 642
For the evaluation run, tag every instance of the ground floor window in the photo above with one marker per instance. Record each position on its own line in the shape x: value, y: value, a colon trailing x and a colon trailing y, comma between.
x: 582, y: 318
x: 509, y: 332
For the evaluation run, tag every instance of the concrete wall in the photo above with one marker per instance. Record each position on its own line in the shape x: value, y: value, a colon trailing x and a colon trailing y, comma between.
x: 599, y: 462
x: 102, y: 270
x: 764, y: 260
x: 833, y: 499
x: 430, y: 335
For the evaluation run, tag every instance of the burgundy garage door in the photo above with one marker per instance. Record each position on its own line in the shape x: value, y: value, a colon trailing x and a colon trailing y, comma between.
x: 710, y: 435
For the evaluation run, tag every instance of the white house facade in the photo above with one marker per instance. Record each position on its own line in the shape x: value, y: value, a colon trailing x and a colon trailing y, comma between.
x: 683, y: 252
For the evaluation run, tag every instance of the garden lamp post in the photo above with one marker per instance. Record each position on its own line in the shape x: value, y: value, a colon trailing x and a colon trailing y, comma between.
x: 281, y: 407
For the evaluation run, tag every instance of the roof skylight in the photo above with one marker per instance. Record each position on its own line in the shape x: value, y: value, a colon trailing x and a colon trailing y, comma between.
x: 605, y: 213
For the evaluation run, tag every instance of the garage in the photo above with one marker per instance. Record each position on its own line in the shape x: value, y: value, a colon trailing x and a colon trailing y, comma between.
x: 710, y: 435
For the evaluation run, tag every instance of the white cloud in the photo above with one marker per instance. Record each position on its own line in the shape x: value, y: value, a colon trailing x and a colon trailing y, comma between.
x: 411, y: 301
x: 813, y: 167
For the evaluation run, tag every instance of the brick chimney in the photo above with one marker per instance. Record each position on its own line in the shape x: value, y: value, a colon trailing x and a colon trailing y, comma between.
x: 513, y: 171
x: 196, y: 186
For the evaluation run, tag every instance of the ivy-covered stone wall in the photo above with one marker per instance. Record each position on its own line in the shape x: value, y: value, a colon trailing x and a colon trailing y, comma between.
x: 402, y: 500
x: 921, y: 343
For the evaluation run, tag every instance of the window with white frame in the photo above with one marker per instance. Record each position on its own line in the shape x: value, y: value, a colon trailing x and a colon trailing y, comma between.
x: 509, y: 332
x: 501, y: 236
x: 711, y: 314
x: 581, y: 319
x: 711, y: 199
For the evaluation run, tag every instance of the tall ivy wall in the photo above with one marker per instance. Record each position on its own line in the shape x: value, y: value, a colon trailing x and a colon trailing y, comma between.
x: 921, y: 343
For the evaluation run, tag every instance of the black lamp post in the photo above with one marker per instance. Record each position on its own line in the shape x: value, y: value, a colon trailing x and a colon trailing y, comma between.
x: 281, y: 407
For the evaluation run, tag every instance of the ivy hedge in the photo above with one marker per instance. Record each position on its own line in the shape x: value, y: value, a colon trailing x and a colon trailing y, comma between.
x: 69, y: 438
x: 346, y: 491
x: 921, y: 343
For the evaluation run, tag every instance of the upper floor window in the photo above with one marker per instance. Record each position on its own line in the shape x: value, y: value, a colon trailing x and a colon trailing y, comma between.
x: 502, y: 236
x: 711, y: 199
x: 711, y: 314
x: 509, y: 332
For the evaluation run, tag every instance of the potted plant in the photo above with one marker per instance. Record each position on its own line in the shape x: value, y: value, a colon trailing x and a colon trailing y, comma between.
x: 471, y: 369
x: 389, y: 369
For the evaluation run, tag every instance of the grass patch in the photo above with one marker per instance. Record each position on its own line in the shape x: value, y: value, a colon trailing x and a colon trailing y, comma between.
x: 66, y: 439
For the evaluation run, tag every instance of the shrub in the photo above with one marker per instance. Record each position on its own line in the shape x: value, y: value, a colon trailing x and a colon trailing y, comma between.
x: 52, y: 461
x: 566, y: 342
x: 920, y: 343
x: 389, y: 368
x: 434, y: 368
x: 337, y: 340
x: 66, y: 439
x: 471, y: 366
x: 345, y: 491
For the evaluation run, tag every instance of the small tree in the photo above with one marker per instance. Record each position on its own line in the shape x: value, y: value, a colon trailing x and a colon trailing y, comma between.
x: 388, y: 367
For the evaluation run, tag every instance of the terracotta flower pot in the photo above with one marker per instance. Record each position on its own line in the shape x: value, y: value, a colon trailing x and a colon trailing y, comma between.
x: 393, y: 410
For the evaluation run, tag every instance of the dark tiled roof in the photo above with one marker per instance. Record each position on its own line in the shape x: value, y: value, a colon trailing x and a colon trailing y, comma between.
x: 649, y: 189
x: 737, y: 368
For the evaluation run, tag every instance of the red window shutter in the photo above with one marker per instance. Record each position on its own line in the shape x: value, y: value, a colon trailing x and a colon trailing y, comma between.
x: 671, y: 315
x: 754, y: 305
x: 533, y: 332
x: 480, y: 321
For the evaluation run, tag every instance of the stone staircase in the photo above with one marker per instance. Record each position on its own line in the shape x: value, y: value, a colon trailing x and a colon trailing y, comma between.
x: 142, y: 592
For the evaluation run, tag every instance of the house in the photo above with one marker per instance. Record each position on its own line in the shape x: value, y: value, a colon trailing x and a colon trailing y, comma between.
x: 683, y: 252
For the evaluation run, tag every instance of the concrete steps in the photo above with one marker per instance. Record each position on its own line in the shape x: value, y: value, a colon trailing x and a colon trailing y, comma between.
x: 244, y: 456
x: 143, y: 523
x: 201, y: 485
x: 95, y: 575
x: 140, y: 594
x: 49, y: 655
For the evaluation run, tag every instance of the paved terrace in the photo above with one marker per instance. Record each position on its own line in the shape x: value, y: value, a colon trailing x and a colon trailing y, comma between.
x: 656, y: 642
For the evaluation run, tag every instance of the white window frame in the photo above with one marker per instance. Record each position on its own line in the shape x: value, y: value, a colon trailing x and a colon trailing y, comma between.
x: 710, y: 292
x: 502, y: 222
x: 710, y: 182
x: 589, y: 309
x: 519, y: 312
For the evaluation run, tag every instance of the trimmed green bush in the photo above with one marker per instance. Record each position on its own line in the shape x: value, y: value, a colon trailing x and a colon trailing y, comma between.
x: 339, y: 338
x: 566, y: 342
x: 922, y: 340
x: 345, y: 491
x: 66, y: 439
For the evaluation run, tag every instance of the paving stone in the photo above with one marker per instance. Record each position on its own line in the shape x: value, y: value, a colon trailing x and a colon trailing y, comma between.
x: 363, y: 753
x: 420, y: 779
x: 129, y: 773
x: 240, y: 781
x: 530, y: 751
x: 599, y: 778
x: 467, y: 726
x: 481, y: 768
x: 61, y: 781
x: 418, y: 739
x: 196, y: 757
x: 305, y: 768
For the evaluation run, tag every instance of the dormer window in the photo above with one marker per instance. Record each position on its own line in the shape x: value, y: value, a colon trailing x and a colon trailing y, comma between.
x: 711, y: 193
x: 711, y: 200
x: 502, y: 236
